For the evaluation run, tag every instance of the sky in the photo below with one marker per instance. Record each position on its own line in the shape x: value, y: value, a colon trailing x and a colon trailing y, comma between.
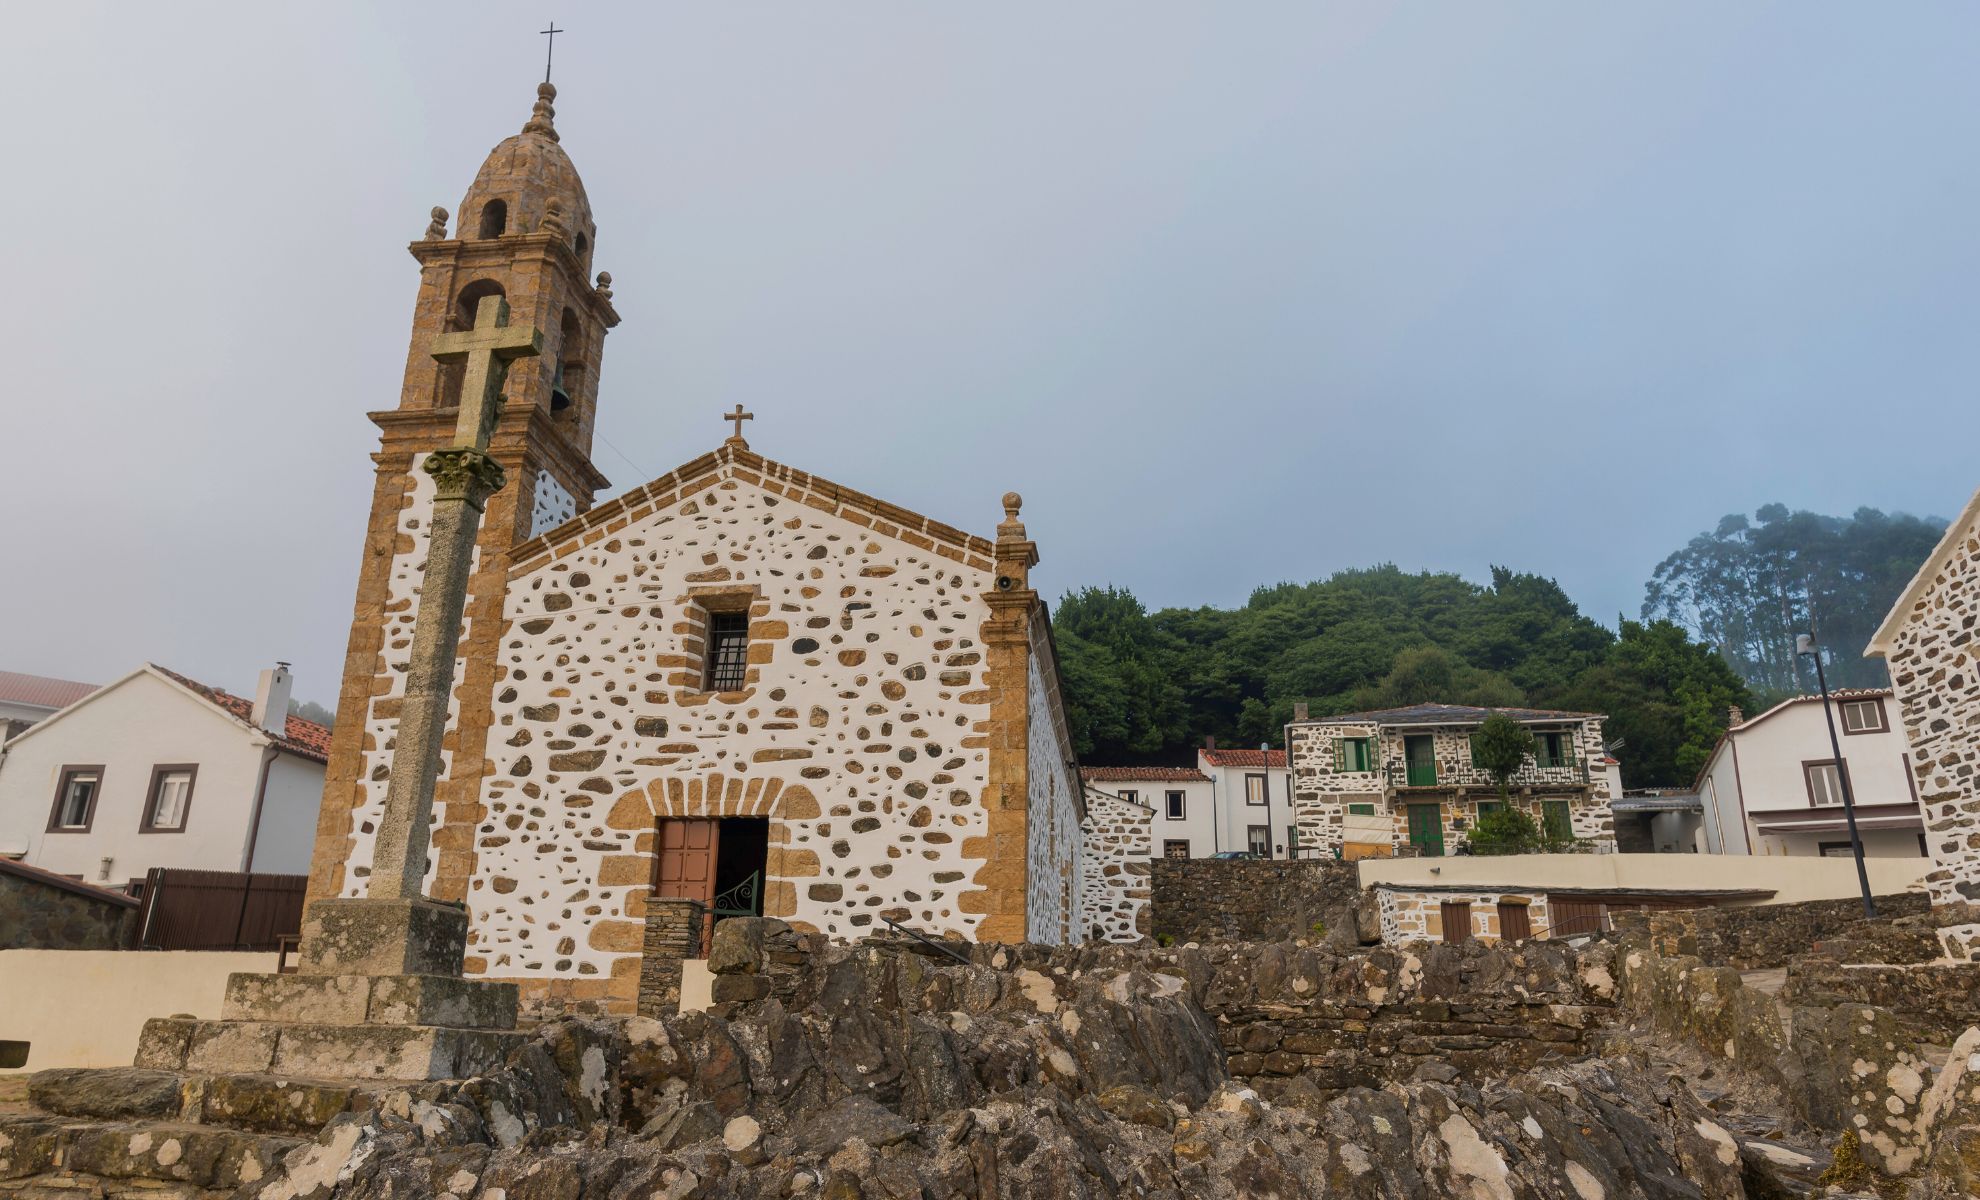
x: 1233, y: 294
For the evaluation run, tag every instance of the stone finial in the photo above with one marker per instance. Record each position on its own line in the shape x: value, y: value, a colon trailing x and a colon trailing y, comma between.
x: 1735, y: 717
x: 542, y: 118
x: 553, y: 217
x: 436, y: 229
x: 1011, y: 527
x: 604, y: 285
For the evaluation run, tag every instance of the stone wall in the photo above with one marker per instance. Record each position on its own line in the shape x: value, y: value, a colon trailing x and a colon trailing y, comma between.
x: 1114, y: 868
x: 1409, y: 916
x: 1936, y: 677
x: 39, y: 911
x: 1252, y: 900
x: 1759, y: 936
x: 673, y: 935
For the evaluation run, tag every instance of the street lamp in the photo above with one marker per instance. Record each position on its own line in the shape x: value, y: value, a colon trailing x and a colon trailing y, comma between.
x: 1804, y: 644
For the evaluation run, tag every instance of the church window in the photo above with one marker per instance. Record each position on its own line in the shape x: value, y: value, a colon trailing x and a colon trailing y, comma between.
x: 170, y: 797
x: 75, y: 799
x: 583, y: 244
x: 494, y: 218
x: 728, y: 651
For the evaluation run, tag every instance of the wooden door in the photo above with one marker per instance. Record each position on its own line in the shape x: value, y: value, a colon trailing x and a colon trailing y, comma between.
x: 1456, y: 916
x: 1566, y: 917
x: 686, y: 863
x: 1426, y: 829
x: 1514, y: 924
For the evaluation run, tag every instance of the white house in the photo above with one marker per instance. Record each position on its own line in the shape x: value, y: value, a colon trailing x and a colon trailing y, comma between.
x: 156, y: 770
x: 1182, y: 802
x: 1252, y: 798
x: 28, y: 699
x: 1773, y: 786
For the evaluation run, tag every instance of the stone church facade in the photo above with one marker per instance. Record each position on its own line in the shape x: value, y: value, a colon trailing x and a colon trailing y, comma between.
x: 738, y: 674
x: 1928, y: 642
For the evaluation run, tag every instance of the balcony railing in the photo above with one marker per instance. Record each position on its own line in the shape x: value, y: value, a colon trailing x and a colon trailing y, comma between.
x: 1540, y: 771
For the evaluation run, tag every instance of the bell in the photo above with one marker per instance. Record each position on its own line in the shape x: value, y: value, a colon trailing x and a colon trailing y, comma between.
x: 559, y: 398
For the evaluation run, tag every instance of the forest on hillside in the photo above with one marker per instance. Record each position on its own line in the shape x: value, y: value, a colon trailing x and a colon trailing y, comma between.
x: 1146, y: 687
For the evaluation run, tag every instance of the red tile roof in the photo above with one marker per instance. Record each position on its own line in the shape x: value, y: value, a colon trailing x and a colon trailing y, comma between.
x: 304, y: 738
x: 39, y: 691
x: 1275, y: 759
x: 1143, y: 775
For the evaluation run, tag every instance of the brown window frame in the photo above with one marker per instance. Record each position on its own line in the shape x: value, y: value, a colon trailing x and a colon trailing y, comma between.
x: 1264, y: 790
x: 1169, y: 844
x: 1175, y: 805
x: 1808, y: 766
x: 61, y: 789
x: 1848, y: 850
x: 1876, y: 703
x: 1251, y: 844
x: 699, y: 643
x: 158, y: 774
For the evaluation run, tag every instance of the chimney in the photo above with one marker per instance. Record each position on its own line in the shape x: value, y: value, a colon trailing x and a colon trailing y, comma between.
x: 1300, y: 711
x: 271, y: 699
x: 1209, y: 743
x: 1734, y: 717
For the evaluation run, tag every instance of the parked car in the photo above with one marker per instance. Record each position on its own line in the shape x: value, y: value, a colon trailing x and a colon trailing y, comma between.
x: 1234, y: 854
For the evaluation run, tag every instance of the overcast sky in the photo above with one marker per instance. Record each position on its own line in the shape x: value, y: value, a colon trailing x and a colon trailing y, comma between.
x: 1232, y: 293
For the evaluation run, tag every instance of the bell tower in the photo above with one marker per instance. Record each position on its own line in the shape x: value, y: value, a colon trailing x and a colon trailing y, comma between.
x: 524, y: 233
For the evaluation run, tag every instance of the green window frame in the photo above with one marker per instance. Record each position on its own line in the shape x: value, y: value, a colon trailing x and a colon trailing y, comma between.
x: 1486, y: 807
x: 1557, y: 818
x: 1354, y: 754
x: 1362, y: 810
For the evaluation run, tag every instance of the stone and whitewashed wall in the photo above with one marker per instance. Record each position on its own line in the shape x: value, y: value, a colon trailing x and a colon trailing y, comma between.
x: 551, y: 504
x: 1052, y: 831
x: 1114, y: 870
x: 381, y: 725
x: 1408, y: 916
x: 859, y: 732
x: 1321, y: 792
x: 1936, y: 676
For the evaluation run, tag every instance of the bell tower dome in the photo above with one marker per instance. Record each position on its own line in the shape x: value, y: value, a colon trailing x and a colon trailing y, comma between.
x: 525, y: 234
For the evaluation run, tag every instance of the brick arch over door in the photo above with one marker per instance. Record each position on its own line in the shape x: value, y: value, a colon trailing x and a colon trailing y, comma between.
x: 785, y: 867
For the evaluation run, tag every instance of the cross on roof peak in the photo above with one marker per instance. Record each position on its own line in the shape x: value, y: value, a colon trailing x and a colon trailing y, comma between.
x: 738, y: 416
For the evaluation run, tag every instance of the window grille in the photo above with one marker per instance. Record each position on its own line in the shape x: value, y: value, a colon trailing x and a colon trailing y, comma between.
x: 728, y: 651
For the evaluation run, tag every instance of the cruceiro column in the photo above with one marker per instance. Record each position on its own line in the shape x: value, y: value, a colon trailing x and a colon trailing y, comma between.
x: 464, y: 477
x: 378, y: 991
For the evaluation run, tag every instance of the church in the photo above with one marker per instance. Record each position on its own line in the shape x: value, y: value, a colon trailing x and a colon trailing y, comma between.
x: 739, y: 683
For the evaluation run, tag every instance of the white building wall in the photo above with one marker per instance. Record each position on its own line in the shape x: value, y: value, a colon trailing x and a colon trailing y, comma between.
x: 1235, y: 816
x: 128, y: 729
x: 1197, y: 825
x: 1761, y: 771
x: 288, y: 816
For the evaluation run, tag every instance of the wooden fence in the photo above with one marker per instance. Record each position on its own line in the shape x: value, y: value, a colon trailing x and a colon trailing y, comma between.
x: 219, y: 910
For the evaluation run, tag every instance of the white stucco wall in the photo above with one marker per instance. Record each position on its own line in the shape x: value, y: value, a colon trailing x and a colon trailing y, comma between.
x: 288, y: 816
x: 1198, y: 825
x: 1759, y: 770
x: 1234, y: 816
x: 85, y: 1008
x: 128, y: 729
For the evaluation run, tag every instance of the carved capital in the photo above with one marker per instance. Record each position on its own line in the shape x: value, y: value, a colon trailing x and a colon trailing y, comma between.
x: 464, y: 473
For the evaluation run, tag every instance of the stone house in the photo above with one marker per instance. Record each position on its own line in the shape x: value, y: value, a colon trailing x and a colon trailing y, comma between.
x: 1180, y: 802
x: 1116, y: 888
x: 739, y: 683
x: 1927, y: 639
x: 26, y: 699
x: 1773, y: 786
x: 1403, y: 781
x: 158, y: 770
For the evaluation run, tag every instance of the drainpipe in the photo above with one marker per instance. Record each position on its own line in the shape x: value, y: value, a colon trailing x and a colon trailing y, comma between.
x: 268, y: 758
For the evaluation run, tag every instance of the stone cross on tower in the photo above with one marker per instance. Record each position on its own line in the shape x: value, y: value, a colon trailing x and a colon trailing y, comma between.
x: 738, y: 416
x: 464, y: 477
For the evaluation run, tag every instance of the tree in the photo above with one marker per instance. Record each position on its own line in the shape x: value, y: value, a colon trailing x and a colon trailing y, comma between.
x: 1123, y: 702
x: 1506, y: 830
x: 309, y: 710
x: 1750, y: 586
x: 1666, y: 697
x: 1501, y: 746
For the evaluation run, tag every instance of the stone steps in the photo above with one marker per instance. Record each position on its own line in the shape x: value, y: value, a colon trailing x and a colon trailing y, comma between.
x: 252, y: 1103
x: 322, y: 1051
x: 41, y: 1155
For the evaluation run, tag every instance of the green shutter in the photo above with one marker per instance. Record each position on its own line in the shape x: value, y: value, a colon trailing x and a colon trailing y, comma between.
x: 1473, y: 739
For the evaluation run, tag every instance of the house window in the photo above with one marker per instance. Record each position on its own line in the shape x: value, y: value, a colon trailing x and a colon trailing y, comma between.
x: 1176, y: 803
x: 170, y: 797
x: 1258, y: 839
x: 1130, y: 795
x: 1362, y: 810
x: 728, y: 651
x: 1835, y: 850
x: 1557, y: 819
x: 1487, y: 807
x: 1824, y: 783
x: 1864, y: 716
x: 1354, y: 754
x: 1292, y: 841
x: 75, y: 799
x: 1552, y: 750
x: 1254, y: 790
x: 1175, y: 848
